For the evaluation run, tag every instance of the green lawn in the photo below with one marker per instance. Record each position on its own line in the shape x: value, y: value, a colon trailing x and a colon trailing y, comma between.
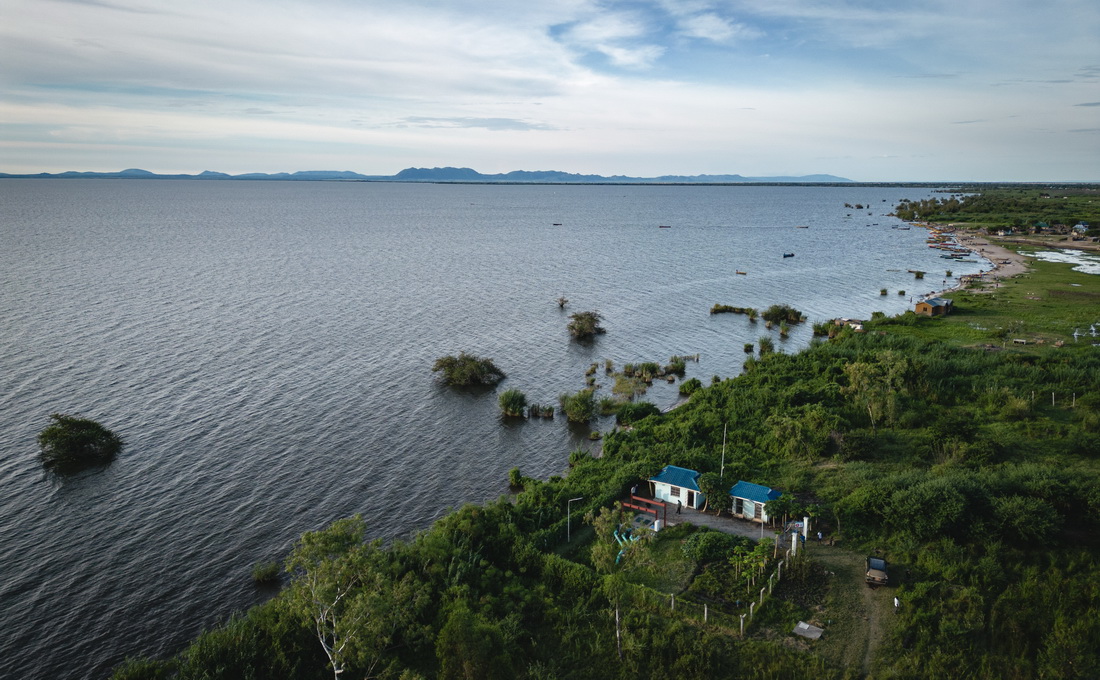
x: 1041, y: 307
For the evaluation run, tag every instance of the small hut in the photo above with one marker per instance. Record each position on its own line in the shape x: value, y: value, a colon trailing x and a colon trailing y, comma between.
x: 677, y: 485
x: 749, y: 500
x: 936, y: 306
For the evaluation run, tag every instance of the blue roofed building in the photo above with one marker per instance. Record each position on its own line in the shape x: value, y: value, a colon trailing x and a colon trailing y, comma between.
x: 677, y: 485
x: 749, y: 500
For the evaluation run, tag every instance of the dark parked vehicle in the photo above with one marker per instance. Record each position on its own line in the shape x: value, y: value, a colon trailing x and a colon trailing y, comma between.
x: 876, y: 571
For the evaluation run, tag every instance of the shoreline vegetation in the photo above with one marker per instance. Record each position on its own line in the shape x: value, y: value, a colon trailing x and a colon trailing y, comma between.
x: 969, y: 462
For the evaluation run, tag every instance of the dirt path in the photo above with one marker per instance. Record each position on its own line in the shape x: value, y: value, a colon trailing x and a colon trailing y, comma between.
x: 856, y: 617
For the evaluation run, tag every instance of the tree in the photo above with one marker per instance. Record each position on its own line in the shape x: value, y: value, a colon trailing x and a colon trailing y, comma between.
x: 340, y: 587
x: 70, y: 444
x: 471, y: 648
x: 512, y: 403
x: 583, y: 325
x: 634, y: 411
x: 715, y: 490
x: 467, y: 369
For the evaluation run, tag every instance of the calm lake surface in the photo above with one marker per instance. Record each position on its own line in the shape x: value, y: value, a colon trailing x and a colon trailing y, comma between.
x: 264, y: 348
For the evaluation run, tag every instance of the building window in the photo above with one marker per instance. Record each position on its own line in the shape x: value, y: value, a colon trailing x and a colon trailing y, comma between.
x: 674, y: 491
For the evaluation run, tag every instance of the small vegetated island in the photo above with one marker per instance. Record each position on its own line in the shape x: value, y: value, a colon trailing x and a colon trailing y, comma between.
x: 467, y: 369
x: 70, y: 444
x: 969, y: 465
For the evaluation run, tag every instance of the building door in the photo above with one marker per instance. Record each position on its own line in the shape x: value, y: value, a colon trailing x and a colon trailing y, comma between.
x: 691, y: 499
x: 738, y: 506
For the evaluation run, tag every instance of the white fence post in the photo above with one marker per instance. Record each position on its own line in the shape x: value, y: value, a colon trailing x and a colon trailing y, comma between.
x: 751, y: 605
x: 762, y: 595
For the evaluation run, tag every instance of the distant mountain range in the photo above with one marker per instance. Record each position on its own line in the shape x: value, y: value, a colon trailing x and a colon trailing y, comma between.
x: 460, y: 175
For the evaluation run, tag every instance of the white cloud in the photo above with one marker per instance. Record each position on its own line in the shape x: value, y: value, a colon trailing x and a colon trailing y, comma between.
x: 573, y: 85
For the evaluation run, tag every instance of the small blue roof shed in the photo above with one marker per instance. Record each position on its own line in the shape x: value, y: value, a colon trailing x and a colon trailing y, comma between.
x: 677, y: 485
x: 749, y: 500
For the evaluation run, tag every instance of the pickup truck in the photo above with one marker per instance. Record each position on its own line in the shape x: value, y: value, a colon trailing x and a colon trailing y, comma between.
x: 876, y: 572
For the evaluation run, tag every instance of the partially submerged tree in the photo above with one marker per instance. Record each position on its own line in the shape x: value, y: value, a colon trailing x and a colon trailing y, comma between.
x: 584, y: 325
x: 70, y: 444
x: 467, y: 369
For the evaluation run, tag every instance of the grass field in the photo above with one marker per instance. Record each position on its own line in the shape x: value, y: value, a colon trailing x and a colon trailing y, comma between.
x: 1041, y: 307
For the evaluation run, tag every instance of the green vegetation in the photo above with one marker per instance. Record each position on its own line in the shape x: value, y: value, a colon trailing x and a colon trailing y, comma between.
x: 584, y: 325
x: 781, y: 313
x: 579, y: 407
x: 513, y: 403
x: 467, y: 369
x: 70, y: 444
x: 1017, y: 208
x: 690, y: 386
x: 634, y: 411
x: 728, y: 309
x: 266, y: 573
x: 976, y: 473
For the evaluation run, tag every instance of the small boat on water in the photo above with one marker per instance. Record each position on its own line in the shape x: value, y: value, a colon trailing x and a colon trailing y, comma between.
x: 788, y: 254
x: 664, y: 226
x: 556, y: 224
x: 802, y: 226
x: 741, y: 272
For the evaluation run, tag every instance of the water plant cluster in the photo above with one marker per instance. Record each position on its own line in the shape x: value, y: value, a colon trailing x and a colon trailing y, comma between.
x: 70, y: 444
x: 468, y: 369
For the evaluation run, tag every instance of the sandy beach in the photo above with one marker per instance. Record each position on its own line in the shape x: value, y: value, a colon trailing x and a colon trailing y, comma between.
x: 1006, y: 263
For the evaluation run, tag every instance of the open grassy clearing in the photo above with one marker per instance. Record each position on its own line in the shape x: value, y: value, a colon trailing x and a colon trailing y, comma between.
x: 1041, y: 307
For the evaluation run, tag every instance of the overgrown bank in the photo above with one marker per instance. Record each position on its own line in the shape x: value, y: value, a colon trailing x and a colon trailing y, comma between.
x: 954, y: 461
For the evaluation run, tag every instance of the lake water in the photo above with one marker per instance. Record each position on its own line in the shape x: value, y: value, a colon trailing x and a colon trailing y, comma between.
x: 265, y: 351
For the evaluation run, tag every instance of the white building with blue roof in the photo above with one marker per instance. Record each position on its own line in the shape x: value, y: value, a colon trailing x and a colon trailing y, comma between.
x: 677, y: 485
x: 749, y: 500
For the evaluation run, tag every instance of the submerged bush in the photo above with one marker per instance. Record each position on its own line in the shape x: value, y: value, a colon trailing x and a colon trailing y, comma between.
x: 579, y: 407
x: 467, y: 369
x: 585, y: 325
x: 512, y: 403
x: 70, y: 444
x: 265, y: 572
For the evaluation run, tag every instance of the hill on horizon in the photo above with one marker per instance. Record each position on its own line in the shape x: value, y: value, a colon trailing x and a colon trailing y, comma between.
x: 447, y: 174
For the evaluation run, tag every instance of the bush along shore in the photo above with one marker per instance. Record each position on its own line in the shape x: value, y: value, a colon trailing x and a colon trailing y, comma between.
x: 972, y: 466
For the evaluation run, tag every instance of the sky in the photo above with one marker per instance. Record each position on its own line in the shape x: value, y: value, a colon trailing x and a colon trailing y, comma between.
x: 923, y: 90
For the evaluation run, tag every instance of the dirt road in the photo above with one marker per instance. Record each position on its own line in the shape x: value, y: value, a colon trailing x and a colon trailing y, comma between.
x: 857, y: 618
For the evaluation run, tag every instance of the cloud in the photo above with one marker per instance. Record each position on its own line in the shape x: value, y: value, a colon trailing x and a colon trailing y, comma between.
x: 486, y: 123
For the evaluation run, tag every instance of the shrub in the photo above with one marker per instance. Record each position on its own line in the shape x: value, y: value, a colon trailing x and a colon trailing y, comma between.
x: 585, y: 325
x: 690, y: 386
x: 467, y: 369
x: 70, y: 444
x: 748, y: 347
x: 711, y: 546
x: 767, y: 345
x: 265, y: 572
x: 777, y: 313
x: 579, y: 407
x: 634, y: 411
x: 609, y: 406
x: 512, y: 403
x: 515, y: 479
x: 882, y: 291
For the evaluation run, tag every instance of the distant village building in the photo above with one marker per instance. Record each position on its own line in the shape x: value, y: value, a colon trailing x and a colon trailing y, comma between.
x: 936, y: 306
x: 678, y: 485
x: 749, y: 500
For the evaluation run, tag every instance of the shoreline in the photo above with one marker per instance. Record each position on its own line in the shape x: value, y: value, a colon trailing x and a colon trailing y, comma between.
x: 1006, y: 263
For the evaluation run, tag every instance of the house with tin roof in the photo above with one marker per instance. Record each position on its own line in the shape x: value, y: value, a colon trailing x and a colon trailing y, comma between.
x: 677, y: 485
x: 749, y: 500
x: 935, y: 306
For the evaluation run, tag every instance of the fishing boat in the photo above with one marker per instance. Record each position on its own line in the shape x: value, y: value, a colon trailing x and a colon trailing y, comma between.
x: 741, y: 272
x: 788, y: 254
x: 802, y: 226
x: 665, y: 226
